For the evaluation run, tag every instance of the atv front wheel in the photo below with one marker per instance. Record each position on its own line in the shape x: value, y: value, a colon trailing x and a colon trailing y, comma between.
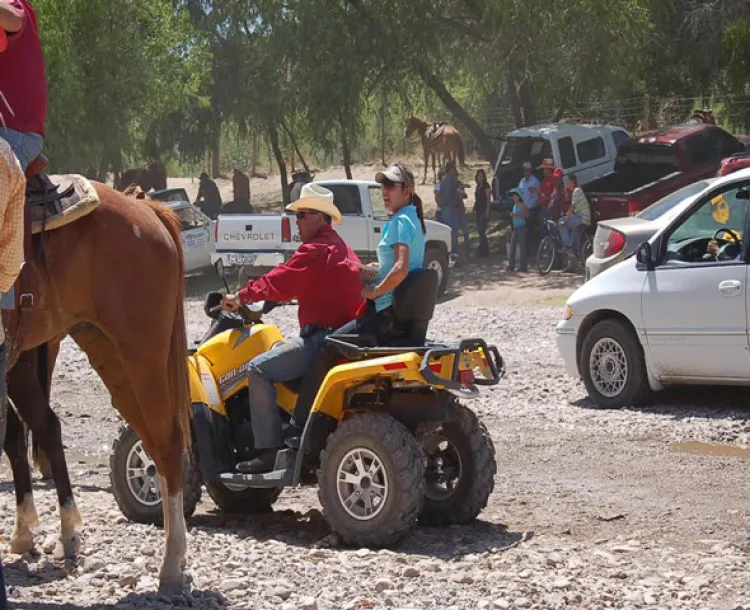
x: 460, y: 471
x: 135, y: 480
x: 371, y: 480
x: 245, y: 501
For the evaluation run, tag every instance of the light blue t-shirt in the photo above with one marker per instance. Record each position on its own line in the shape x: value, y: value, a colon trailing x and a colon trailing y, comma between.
x: 518, y: 221
x: 530, y: 199
x: 402, y: 228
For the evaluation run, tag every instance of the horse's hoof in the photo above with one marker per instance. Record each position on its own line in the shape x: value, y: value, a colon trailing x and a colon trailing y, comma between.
x: 172, y: 587
x: 67, y: 548
x: 22, y: 543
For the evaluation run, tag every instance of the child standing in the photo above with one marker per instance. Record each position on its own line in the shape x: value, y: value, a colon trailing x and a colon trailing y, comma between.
x: 519, y: 215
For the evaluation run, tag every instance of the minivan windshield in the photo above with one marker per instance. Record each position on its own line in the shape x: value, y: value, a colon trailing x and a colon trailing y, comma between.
x: 665, y: 204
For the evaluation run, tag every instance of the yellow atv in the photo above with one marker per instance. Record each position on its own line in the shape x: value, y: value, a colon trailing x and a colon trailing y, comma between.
x: 386, y: 441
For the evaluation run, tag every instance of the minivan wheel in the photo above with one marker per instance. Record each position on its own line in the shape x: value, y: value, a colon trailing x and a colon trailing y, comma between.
x: 612, y: 366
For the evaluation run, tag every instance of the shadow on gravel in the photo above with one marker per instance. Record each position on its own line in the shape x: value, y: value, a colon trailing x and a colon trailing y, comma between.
x: 710, y: 402
x: 48, y: 485
x: 288, y: 526
x: 451, y: 542
x: 195, y: 599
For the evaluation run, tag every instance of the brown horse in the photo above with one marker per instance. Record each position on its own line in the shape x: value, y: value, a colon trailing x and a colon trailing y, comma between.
x: 448, y: 143
x: 113, y: 281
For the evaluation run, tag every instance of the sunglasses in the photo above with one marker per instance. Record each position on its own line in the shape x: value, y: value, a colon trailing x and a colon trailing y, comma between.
x: 301, y: 215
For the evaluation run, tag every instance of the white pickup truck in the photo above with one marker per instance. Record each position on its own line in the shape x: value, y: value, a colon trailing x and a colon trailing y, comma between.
x: 259, y: 242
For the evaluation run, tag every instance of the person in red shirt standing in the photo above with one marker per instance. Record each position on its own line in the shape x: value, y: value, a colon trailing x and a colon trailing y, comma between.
x: 23, y: 81
x: 550, y: 192
x: 323, y: 275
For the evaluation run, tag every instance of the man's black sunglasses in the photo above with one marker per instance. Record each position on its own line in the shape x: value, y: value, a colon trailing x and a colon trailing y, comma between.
x: 301, y: 215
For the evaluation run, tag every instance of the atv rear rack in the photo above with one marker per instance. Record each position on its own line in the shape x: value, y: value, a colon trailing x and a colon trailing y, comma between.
x: 430, y: 351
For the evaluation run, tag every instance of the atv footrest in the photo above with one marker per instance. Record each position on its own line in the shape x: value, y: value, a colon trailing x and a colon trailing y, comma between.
x: 281, y: 476
x: 275, y: 478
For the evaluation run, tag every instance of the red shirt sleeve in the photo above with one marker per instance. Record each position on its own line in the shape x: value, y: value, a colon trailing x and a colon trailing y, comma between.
x: 287, y: 281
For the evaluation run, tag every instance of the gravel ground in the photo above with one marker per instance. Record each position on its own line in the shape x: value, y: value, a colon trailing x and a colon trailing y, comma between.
x: 591, y: 508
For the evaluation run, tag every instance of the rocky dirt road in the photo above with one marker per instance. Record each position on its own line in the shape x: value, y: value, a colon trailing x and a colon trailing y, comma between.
x: 591, y: 508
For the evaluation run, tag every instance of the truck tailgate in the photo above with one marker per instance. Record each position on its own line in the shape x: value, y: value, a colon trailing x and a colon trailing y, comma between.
x: 252, y: 233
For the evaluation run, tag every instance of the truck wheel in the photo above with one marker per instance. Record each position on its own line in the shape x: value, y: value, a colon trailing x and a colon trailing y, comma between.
x: 371, y: 480
x: 435, y: 258
x: 612, y: 366
x: 135, y: 480
x: 246, y: 501
x: 460, y: 471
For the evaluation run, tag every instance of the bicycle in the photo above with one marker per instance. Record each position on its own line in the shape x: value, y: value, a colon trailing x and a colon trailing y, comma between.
x: 552, y: 245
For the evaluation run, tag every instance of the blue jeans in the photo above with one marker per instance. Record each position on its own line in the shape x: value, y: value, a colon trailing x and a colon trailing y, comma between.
x: 518, y: 238
x: 287, y: 362
x: 570, y: 232
x: 27, y: 146
x: 457, y: 220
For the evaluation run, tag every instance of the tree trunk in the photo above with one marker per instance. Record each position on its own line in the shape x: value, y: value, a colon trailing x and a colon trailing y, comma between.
x: 515, y: 103
x: 528, y: 104
x: 273, y: 136
x: 486, y: 147
x: 254, y: 156
x: 347, y: 154
x: 216, y: 153
x: 382, y: 129
x: 296, y: 148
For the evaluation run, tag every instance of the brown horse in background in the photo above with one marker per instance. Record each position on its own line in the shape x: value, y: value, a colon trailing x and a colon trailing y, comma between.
x: 152, y: 176
x: 448, y: 143
x: 113, y: 281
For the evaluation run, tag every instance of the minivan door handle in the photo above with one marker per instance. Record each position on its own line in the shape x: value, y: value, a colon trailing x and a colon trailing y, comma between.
x: 730, y: 288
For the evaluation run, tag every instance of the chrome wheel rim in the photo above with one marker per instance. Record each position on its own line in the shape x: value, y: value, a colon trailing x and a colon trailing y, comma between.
x: 608, y: 366
x: 362, y: 484
x: 142, y: 476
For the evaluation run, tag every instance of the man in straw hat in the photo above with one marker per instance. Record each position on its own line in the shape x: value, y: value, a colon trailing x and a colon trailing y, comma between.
x: 323, y: 275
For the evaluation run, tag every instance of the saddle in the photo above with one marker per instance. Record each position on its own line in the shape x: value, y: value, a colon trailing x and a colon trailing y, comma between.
x: 435, y: 129
x: 52, y: 201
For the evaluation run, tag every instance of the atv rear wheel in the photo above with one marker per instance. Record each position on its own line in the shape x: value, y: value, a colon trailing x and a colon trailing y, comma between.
x: 246, y: 501
x: 371, y: 480
x: 135, y: 480
x: 460, y: 471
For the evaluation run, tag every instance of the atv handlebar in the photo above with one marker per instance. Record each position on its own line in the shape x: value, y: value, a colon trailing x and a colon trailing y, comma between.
x: 252, y: 312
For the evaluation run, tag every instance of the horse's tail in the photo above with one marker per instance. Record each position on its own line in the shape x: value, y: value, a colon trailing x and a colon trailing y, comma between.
x: 461, y: 155
x: 177, y: 373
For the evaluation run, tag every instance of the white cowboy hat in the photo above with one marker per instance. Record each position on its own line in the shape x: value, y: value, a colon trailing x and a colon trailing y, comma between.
x: 318, y: 198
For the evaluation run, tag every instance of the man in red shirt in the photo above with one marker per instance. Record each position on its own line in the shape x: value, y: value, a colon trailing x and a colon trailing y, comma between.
x: 23, y: 81
x: 550, y: 192
x: 323, y: 275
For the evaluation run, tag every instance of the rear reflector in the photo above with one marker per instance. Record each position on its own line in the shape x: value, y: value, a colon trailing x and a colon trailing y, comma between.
x: 633, y: 207
x: 216, y: 231
x: 436, y: 367
x: 395, y: 366
x: 286, y: 229
x: 465, y: 377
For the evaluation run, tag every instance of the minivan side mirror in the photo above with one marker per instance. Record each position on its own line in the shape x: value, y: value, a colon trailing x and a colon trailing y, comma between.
x: 644, y: 256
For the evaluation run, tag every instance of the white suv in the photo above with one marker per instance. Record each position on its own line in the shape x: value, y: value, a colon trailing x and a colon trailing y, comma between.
x: 674, y: 313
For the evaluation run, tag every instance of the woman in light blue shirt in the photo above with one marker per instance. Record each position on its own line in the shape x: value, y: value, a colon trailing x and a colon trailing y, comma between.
x: 401, y: 249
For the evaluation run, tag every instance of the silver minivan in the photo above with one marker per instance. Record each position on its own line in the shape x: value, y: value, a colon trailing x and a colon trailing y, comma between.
x: 675, y: 313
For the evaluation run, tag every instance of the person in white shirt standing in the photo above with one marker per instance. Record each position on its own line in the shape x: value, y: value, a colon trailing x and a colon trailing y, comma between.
x: 531, y: 187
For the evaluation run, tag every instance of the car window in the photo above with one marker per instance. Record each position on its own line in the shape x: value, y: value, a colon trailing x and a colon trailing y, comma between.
x: 378, y: 205
x: 171, y: 196
x: 567, y: 154
x: 619, y: 137
x: 346, y: 198
x: 725, y: 209
x: 590, y: 150
x: 665, y: 204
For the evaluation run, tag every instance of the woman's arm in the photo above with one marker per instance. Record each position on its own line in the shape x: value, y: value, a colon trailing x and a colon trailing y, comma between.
x: 395, y: 276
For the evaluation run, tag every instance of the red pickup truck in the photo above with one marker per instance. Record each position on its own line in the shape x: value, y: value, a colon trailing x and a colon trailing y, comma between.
x: 652, y: 165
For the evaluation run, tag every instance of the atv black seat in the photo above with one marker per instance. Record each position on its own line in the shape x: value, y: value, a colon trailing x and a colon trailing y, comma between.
x: 414, y: 303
